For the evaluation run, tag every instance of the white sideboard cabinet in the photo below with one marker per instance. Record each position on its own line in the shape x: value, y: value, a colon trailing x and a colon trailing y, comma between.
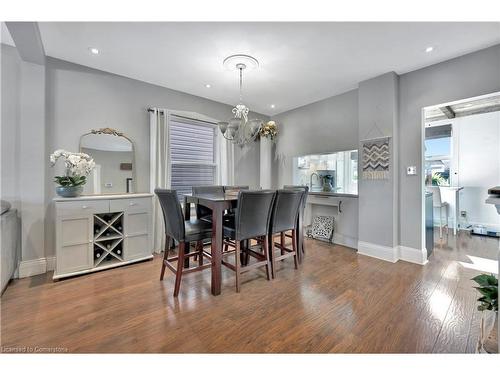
x: 97, y: 232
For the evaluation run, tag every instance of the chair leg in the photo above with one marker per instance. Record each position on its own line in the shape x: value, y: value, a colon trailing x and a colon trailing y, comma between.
x: 270, y: 242
x: 237, y: 265
x: 282, y: 242
x: 266, y: 254
x: 180, y: 263
x: 199, y: 247
x: 440, y: 222
x: 165, y: 257
x: 294, y: 248
x: 242, y: 253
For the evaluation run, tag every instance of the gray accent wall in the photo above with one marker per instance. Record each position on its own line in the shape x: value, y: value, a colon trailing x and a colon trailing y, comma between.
x: 326, y: 126
x: 378, y: 203
x: 467, y: 76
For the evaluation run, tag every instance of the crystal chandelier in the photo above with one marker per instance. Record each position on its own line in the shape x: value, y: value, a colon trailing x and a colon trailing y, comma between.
x: 239, y: 129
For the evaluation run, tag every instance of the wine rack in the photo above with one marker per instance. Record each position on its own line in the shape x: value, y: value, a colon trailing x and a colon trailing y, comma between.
x: 108, y: 238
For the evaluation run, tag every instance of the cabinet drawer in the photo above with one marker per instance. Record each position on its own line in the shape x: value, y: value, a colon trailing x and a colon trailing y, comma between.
x: 82, y: 207
x: 131, y: 204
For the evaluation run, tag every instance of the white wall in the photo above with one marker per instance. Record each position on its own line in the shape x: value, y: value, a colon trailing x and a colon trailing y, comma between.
x: 478, y: 165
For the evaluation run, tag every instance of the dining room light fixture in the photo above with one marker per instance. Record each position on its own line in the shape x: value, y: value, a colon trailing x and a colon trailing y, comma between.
x: 239, y: 129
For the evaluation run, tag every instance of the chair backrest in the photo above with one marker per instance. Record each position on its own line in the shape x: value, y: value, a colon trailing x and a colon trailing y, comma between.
x: 303, y: 188
x: 253, y: 215
x: 436, y: 195
x: 172, y: 213
x: 236, y: 188
x: 202, y: 211
x: 285, y: 210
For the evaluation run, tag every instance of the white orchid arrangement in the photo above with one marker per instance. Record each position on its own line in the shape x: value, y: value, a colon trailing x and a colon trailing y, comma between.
x: 78, y: 166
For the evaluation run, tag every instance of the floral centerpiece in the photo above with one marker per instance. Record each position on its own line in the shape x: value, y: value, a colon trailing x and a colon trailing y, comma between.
x: 269, y: 130
x: 78, y: 166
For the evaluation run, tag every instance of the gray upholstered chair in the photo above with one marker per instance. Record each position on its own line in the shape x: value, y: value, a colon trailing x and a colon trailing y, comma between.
x: 284, y: 218
x: 202, y: 212
x: 184, y: 232
x: 305, y: 189
x: 251, y: 220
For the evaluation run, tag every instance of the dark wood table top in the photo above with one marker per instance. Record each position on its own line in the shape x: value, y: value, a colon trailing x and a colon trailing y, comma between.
x: 225, y: 197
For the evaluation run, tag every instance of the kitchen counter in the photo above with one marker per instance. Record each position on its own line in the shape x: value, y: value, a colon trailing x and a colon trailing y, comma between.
x: 333, y: 194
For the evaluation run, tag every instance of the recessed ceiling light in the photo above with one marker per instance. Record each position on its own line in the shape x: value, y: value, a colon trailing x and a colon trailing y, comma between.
x: 273, y: 106
x: 429, y: 49
x: 94, y: 51
x: 208, y: 85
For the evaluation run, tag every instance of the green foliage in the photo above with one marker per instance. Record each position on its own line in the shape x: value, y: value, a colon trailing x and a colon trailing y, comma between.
x: 70, y: 180
x: 488, y: 287
x: 438, y: 179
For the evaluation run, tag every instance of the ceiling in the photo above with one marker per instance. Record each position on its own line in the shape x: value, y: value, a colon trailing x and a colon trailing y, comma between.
x: 300, y: 63
x: 463, y: 108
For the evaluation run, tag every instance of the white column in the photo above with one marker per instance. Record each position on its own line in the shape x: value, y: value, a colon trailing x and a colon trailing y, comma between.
x: 266, y: 147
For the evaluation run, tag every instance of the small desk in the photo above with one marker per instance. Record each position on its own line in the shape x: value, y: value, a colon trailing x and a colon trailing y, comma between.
x: 218, y: 203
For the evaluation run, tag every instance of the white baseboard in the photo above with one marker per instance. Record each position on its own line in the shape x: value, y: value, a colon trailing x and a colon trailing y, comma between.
x: 393, y: 254
x: 34, y: 267
x: 387, y: 253
x: 412, y: 255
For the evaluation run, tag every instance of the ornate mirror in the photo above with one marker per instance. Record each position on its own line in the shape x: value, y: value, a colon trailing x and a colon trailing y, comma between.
x: 114, y: 156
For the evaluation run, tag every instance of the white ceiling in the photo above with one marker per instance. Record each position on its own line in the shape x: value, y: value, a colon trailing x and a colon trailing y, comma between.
x: 300, y: 62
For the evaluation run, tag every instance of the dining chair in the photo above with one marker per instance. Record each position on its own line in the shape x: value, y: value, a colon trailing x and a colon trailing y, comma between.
x: 251, y: 220
x: 438, y: 203
x: 303, y: 203
x: 184, y: 232
x: 202, y: 212
x: 284, y: 218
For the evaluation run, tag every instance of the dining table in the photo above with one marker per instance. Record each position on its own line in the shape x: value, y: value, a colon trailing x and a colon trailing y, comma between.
x: 218, y: 203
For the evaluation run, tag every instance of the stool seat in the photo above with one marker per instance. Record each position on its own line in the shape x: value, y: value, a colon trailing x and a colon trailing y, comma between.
x: 197, y: 230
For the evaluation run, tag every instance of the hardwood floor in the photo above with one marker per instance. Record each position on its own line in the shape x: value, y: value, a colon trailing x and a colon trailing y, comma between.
x: 337, y: 301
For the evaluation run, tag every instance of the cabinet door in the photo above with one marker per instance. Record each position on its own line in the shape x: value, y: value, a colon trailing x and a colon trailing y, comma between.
x: 74, y: 244
x: 137, y: 226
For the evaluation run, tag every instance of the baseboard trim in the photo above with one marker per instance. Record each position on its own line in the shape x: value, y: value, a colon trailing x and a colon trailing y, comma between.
x: 34, y: 267
x: 412, y: 255
x: 387, y: 253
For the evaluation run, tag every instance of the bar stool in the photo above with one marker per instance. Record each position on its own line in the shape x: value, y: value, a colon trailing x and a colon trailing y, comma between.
x: 303, y: 207
x: 251, y: 220
x: 184, y: 232
x: 284, y: 218
x: 438, y: 203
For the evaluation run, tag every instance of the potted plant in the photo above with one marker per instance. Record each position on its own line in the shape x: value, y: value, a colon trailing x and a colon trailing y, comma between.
x: 78, y: 166
x: 488, y: 287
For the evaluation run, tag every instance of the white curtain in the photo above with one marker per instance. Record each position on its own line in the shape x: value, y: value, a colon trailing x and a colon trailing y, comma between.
x: 159, y: 169
x: 225, y: 160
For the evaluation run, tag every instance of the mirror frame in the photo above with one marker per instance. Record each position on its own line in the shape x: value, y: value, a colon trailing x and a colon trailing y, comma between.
x: 111, y: 131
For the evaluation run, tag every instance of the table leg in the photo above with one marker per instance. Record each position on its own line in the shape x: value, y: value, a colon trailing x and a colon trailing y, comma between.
x: 217, y: 212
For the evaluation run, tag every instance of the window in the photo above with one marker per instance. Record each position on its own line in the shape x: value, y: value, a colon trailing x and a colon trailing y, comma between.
x: 192, y: 154
x: 438, y: 155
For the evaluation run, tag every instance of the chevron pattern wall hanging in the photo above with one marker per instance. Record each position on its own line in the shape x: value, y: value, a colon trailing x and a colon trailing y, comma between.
x: 376, y: 157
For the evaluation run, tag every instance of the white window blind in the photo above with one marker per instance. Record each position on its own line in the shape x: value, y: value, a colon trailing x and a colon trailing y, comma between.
x: 192, y: 154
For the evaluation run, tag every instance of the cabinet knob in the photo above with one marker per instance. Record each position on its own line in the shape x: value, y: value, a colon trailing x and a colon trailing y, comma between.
x: 84, y: 207
x: 132, y: 204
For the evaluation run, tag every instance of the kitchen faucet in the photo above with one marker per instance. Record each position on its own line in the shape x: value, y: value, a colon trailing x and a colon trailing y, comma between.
x: 311, y: 179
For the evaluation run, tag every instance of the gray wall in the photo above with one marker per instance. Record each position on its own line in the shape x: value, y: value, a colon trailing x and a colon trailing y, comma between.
x: 378, y: 211
x: 10, y: 133
x: 471, y: 75
x: 81, y: 98
x: 325, y: 126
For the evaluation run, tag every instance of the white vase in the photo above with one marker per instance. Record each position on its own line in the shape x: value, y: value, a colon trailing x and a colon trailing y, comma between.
x: 266, y: 147
x: 489, y: 319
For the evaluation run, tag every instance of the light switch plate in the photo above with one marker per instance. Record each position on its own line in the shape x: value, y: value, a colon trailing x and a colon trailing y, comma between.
x: 411, y: 170
x: 108, y: 185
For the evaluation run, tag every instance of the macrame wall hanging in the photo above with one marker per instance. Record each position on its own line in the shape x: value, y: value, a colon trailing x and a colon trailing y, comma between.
x: 376, y: 156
